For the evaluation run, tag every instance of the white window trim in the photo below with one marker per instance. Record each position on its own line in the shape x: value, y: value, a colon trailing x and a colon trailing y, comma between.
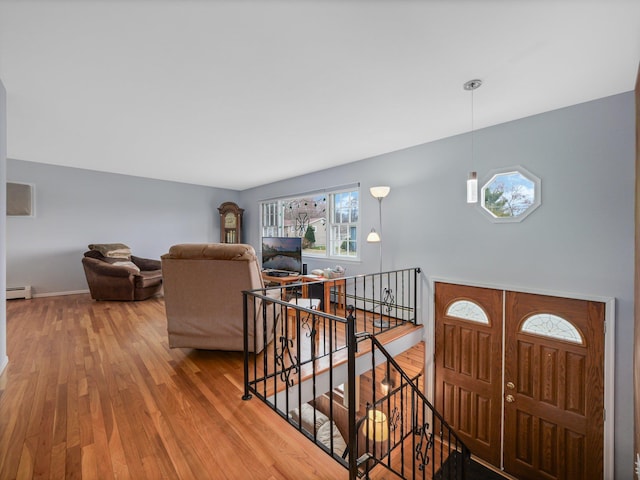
x: 355, y: 187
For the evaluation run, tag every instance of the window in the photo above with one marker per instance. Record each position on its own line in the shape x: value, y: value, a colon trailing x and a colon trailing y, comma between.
x: 326, y: 222
x: 270, y: 219
x: 510, y: 195
x: 344, y: 213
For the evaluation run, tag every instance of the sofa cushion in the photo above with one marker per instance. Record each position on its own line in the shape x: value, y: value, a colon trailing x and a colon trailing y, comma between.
x: 325, y: 429
x: 148, y: 278
x: 211, y: 251
x: 132, y: 267
x: 146, y: 263
x: 328, y: 431
x: 306, y: 420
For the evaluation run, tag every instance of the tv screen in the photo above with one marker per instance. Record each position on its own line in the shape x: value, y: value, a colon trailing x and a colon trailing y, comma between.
x: 282, y: 253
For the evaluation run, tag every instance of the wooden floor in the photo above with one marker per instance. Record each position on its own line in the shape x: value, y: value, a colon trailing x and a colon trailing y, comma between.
x: 93, y: 391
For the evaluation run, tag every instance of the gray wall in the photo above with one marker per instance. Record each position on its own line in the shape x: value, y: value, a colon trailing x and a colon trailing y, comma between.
x: 76, y: 207
x: 3, y: 227
x: 580, y: 241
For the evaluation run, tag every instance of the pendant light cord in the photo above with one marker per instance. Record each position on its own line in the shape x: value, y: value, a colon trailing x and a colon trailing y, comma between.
x: 472, y: 130
x: 472, y: 85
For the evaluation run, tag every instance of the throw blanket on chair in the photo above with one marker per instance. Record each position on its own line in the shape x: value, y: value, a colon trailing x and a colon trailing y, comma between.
x: 112, y: 250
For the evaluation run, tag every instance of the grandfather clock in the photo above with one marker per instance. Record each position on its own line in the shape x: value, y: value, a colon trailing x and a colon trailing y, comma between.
x: 230, y: 223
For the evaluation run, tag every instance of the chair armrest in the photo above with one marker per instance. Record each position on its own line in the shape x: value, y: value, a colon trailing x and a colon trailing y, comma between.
x: 146, y: 263
x: 106, y: 269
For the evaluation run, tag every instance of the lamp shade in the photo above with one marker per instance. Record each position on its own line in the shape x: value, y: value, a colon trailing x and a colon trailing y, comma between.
x: 380, y: 192
x: 375, y: 426
x: 386, y: 384
x: 472, y: 188
x: 373, y: 236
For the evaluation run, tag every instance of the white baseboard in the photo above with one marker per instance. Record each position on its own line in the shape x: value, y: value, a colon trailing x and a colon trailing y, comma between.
x: 57, y: 294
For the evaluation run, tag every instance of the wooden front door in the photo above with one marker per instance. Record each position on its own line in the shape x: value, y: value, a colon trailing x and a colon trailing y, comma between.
x: 469, y: 365
x: 554, y: 395
x: 551, y: 422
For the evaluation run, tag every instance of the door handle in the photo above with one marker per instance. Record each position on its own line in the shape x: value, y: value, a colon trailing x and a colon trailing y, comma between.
x: 510, y: 399
x: 511, y: 385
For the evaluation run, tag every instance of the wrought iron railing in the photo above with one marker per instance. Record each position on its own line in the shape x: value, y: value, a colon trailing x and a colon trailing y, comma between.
x: 401, y: 430
x: 313, y: 354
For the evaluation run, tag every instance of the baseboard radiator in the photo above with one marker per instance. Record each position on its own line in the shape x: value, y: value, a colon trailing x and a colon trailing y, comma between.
x: 19, y: 292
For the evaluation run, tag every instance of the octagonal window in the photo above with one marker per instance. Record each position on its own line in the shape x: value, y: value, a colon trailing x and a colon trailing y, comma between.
x: 510, y: 195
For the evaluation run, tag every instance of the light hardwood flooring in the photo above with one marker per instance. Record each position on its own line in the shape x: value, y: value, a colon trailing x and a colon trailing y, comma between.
x: 93, y: 391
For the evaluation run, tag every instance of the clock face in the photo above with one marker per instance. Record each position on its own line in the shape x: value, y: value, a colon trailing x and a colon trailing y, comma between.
x: 230, y: 220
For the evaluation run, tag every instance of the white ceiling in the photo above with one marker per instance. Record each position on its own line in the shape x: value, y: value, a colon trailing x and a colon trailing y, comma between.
x: 240, y: 93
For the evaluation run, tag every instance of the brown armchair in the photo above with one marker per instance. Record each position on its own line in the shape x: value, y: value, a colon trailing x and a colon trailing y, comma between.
x: 120, y: 279
x: 203, y: 297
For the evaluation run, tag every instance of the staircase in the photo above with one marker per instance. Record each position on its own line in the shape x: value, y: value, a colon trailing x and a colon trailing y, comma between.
x: 339, y: 365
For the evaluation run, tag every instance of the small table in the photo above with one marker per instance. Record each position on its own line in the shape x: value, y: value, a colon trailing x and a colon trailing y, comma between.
x: 282, y: 281
x: 327, y: 283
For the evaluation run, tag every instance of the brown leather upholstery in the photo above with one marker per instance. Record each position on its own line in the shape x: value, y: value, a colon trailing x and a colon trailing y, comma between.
x: 114, y: 282
x: 203, y: 285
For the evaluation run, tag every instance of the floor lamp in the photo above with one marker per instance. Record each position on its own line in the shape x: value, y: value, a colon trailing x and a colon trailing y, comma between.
x: 375, y: 237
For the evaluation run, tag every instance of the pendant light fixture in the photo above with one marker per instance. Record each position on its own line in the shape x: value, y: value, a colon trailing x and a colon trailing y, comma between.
x: 472, y: 181
x: 387, y: 384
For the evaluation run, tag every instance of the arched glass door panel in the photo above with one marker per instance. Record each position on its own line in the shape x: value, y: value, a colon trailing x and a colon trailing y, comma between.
x: 467, y: 310
x: 552, y: 326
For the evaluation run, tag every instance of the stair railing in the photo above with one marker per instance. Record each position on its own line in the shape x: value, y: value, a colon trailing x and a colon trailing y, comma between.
x: 401, y: 430
x: 295, y: 356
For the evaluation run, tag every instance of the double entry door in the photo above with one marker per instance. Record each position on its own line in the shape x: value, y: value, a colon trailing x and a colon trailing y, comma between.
x: 520, y: 377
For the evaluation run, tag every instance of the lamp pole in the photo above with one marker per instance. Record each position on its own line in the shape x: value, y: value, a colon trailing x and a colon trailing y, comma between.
x: 380, y: 228
x: 379, y: 193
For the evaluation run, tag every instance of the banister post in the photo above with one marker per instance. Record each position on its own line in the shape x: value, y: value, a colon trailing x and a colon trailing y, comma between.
x: 351, y: 382
x: 245, y: 327
x: 416, y: 273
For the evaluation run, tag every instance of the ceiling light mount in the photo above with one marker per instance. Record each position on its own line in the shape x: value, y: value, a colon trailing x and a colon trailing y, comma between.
x: 472, y: 84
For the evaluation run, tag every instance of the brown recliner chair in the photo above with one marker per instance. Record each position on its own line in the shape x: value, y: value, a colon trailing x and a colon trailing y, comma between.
x: 203, y: 285
x: 121, y: 279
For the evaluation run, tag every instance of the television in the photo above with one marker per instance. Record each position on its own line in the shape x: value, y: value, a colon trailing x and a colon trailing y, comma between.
x: 283, y: 254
